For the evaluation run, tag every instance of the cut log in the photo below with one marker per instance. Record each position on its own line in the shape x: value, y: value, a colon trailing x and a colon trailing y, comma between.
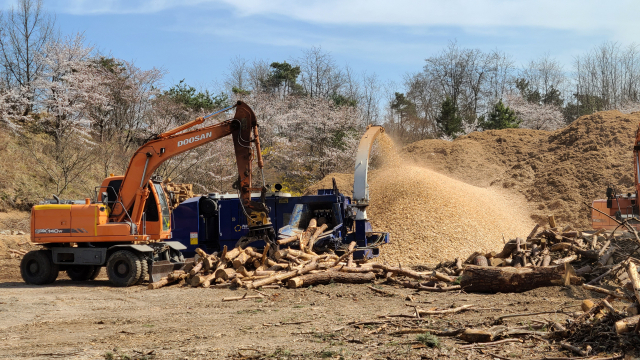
x: 632, y: 270
x: 508, y: 248
x: 196, y: 268
x: 546, y: 260
x: 584, y: 270
x: 588, y: 254
x: 210, y: 263
x: 241, y: 259
x: 352, y: 245
x: 232, y: 254
x: 225, y: 274
x: 552, y: 221
x: 568, y: 259
x: 265, y: 252
x: 627, y: 324
x: 290, y: 239
x: 200, y: 280
x: 331, y: 276
x: 509, y: 279
x: 480, y: 261
x: 604, y: 259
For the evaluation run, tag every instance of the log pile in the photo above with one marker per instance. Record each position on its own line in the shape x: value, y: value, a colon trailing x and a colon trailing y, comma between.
x: 250, y: 269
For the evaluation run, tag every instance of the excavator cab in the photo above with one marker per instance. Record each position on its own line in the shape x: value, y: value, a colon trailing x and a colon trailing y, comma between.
x: 156, y: 219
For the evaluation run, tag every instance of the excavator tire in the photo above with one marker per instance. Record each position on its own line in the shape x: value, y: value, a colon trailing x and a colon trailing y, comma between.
x: 96, y: 272
x: 81, y: 272
x: 144, y: 274
x: 124, y: 268
x: 37, y: 268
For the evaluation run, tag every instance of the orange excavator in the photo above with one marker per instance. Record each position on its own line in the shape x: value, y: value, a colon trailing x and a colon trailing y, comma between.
x: 127, y: 227
x: 622, y: 207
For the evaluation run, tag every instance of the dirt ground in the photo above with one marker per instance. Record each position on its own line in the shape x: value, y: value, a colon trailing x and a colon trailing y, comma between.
x: 92, y: 320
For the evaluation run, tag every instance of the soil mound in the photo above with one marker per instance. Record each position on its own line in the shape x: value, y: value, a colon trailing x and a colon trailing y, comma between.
x: 556, y: 171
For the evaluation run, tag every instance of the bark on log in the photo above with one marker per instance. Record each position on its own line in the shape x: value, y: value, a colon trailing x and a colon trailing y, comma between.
x: 584, y: 270
x: 627, y: 324
x: 509, y: 279
x: 476, y: 336
x: 329, y: 276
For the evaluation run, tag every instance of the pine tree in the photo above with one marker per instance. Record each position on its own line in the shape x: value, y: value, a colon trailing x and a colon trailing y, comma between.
x: 448, y: 121
x: 500, y: 117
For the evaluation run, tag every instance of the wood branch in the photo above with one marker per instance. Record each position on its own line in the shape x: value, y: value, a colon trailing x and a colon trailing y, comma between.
x: 487, y: 344
x: 575, y: 349
x: 604, y: 248
x: 627, y: 324
x: 383, y: 292
x: 316, y: 234
x: 533, y: 232
x: 243, y: 297
x: 306, y: 235
x: 447, y: 311
x: 345, y: 255
x: 438, y: 289
x: 331, y: 276
x: 405, y: 272
x: 476, y: 336
x: 509, y: 279
x: 605, y: 291
x: 499, y: 318
x: 430, y: 331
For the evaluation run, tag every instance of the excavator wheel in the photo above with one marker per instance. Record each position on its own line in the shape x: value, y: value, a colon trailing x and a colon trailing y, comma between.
x: 81, y: 272
x: 144, y: 274
x: 37, y: 268
x: 96, y: 272
x: 124, y: 268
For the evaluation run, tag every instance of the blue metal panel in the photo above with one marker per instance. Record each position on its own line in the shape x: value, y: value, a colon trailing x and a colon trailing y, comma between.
x: 186, y: 220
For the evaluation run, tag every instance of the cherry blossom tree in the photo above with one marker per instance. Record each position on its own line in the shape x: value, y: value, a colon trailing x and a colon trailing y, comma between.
x: 536, y: 116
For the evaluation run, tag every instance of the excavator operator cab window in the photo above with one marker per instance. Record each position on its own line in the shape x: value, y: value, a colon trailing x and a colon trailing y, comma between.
x: 164, y: 207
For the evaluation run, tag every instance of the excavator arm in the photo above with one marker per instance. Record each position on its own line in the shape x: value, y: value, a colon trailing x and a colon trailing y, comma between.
x: 242, y: 127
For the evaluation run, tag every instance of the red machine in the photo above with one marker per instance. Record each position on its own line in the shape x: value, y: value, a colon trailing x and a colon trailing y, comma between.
x: 620, y: 206
x: 126, y: 228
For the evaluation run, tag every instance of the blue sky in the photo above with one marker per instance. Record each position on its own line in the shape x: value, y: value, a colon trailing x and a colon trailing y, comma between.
x: 195, y: 39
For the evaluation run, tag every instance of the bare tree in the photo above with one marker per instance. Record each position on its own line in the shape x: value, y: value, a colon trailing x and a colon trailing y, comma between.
x: 25, y: 31
x: 546, y: 77
x: 237, y: 74
x: 320, y: 76
x: 257, y: 74
x: 370, y: 99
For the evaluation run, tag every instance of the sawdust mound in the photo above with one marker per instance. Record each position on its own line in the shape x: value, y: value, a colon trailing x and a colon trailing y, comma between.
x: 556, y: 171
x: 432, y: 217
x: 343, y: 181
